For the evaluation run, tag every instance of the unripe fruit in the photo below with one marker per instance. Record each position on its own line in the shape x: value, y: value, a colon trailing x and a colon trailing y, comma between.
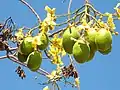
x: 92, y: 53
x: 106, y: 52
x: 103, y: 39
x: 81, y: 52
x: 34, y: 60
x: 44, y: 41
x: 22, y: 57
x: 67, y: 42
x: 90, y: 37
x: 26, y: 46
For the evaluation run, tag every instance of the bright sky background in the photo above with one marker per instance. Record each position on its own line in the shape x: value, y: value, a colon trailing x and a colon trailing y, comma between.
x: 102, y: 73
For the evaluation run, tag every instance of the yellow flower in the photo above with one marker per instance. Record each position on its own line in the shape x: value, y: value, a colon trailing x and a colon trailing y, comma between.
x: 110, y: 22
x: 56, y: 50
x: 50, y: 19
x: 117, y: 10
x: 57, y: 43
x: 58, y: 70
x: 49, y: 22
x: 19, y: 34
x: 56, y: 59
x: 77, y: 82
x: 49, y: 10
x: 63, y: 52
x: 53, y: 50
x: 102, y: 24
x: 35, y: 42
x: 52, y: 75
x: 44, y: 27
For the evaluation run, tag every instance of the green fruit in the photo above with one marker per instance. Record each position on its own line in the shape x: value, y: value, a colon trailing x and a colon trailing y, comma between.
x: 90, y: 36
x: 43, y: 41
x: 34, y: 60
x: 81, y: 52
x: 26, y: 46
x: 67, y: 42
x: 22, y: 57
x: 92, y: 53
x: 106, y: 52
x: 103, y: 39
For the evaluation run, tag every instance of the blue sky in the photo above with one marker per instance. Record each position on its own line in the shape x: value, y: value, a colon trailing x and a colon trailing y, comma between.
x: 102, y: 73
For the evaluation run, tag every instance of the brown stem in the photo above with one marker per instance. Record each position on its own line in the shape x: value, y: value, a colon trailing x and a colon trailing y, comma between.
x: 3, y: 57
x: 30, y: 7
x: 15, y: 59
x: 61, y: 30
x: 41, y: 71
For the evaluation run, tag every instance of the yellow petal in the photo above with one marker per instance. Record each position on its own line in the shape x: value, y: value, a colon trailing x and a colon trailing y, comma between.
x: 77, y: 82
x: 35, y: 42
x: 53, y: 73
x: 48, y: 9
x: 53, y: 11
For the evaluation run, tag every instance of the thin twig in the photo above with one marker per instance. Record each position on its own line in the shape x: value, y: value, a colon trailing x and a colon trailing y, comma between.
x: 32, y: 29
x: 41, y: 71
x: 61, y: 30
x: 15, y: 59
x: 71, y: 60
x: 76, y: 11
x: 89, y: 5
x: 31, y: 8
x: 3, y: 57
x: 70, y: 2
x: 12, y: 49
x: 65, y: 22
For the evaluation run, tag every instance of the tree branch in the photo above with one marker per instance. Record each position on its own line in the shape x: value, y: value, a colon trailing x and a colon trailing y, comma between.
x: 15, y: 59
x: 30, y: 7
x: 70, y: 2
x: 12, y: 49
x: 61, y: 30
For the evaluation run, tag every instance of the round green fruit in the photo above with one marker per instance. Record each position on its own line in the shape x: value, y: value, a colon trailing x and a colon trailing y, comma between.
x: 22, y: 57
x: 106, y: 52
x: 43, y: 41
x: 26, y: 46
x: 81, y: 52
x: 90, y: 37
x: 92, y: 53
x: 34, y: 61
x: 103, y: 39
x: 67, y: 42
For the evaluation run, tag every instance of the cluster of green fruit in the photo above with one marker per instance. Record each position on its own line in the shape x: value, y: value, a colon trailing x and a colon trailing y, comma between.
x: 29, y: 55
x: 83, y: 47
